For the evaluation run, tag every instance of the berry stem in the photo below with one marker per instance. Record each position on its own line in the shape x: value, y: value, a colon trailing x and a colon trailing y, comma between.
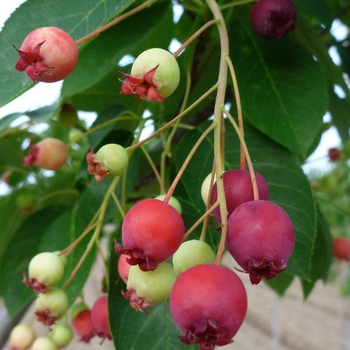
x: 236, y: 3
x: 239, y: 110
x: 219, y: 104
x: 125, y: 15
x: 246, y: 152
x: 187, y: 160
x: 194, y: 36
x: 164, y: 127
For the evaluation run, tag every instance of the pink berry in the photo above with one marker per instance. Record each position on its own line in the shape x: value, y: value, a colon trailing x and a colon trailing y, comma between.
x: 47, y: 54
x: 334, y: 154
x: 123, y: 267
x: 83, y: 326
x: 238, y: 189
x: 51, y: 306
x: 208, y: 304
x: 21, y: 337
x: 260, y: 238
x: 49, y: 154
x: 272, y: 19
x: 99, y: 317
x: 152, y: 231
x: 155, y: 75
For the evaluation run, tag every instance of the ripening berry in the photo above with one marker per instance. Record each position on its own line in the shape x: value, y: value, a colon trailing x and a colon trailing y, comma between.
x: 155, y: 75
x: 341, y: 248
x: 152, y: 231
x: 45, y: 271
x: 208, y: 304
x: 48, y: 154
x: 51, y: 306
x: 111, y: 160
x: 123, y: 267
x: 21, y: 337
x: 83, y: 326
x: 99, y: 317
x: 48, y: 54
x: 145, y: 289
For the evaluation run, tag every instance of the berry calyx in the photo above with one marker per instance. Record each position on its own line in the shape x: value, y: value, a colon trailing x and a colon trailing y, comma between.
x: 155, y: 75
x: 99, y: 317
x: 145, y: 289
x: 152, y: 231
x: 48, y: 154
x: 208, y: 304
x: 44, y: 343
x: 21, y: 337
x: 62, y: 335
x: 51, y: 306
x: 341, y: 248
x: 111, y: 160
x: 45, y: 271
x: 260, y: 238
x: 47, y: 54
x: 238, y: 189
x: 83, y: 326
x: 192, y: 253
x: 273, y: 19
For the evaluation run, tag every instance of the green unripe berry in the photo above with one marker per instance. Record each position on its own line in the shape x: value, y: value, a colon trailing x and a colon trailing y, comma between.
x: 44, y: 343
x: 192, y: 253
x: 112, y: 158
x: 166, y: 77
x: 172, y: 201
x: 205, y: 188
x: 62, y: 335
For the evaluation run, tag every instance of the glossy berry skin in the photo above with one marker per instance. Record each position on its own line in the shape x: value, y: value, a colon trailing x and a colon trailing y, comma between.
x: 51, y: 306
x: 99, y: 317
x: 83, y: 326
x: 208, y: 304
x: 45, y: 271
x: 341, y: 248
x: 155, y: 75
x: 47, y: 54
x: 145, y: 289
x: 123, y: 267
x: 152, y: 231
x: 273, y: 19
x: 111, y: 160
x: 21, y: 337
x: 48, y: 154
x: 238, y: 189
x: 260, y: 238
x: 192, y: 253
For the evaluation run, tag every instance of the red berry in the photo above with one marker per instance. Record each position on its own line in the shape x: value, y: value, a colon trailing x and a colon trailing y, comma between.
x: 272, y: 19
x: 99, y: 317
x: 152, y: 231
x: 123, y: 267
x: 341, y: 248
x: 208, y: 304
x: 49, y: 154
x: 334, y: 154
x: 239, y: 189
x: 83, y: 326
x: 47, y: 54
x: 260, y: 238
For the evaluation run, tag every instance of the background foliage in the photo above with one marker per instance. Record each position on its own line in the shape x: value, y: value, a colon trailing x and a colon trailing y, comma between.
x: 286, y: 88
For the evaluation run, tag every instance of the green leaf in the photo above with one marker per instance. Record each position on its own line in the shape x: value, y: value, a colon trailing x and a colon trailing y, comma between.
x: 288, y: 185
x: 318, y: 9
x: 283, y: 91
x: 77, y: 18
x: 101, y: 56
x: 22, y: 248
